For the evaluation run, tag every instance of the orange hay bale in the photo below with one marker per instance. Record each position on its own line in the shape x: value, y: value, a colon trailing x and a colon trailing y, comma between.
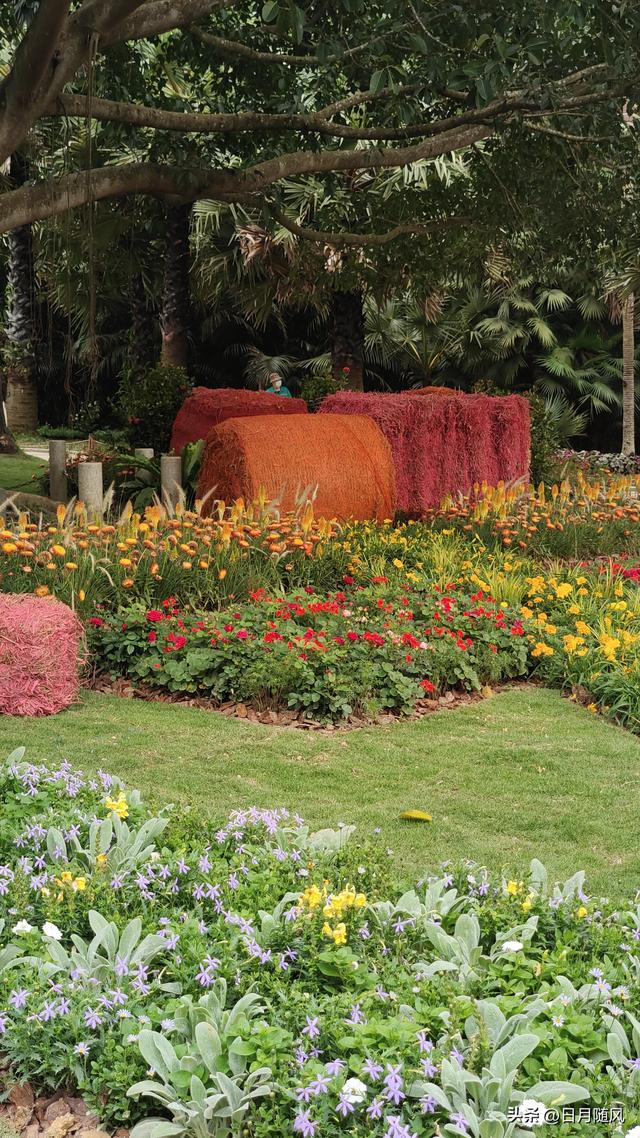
x: 346, y: 456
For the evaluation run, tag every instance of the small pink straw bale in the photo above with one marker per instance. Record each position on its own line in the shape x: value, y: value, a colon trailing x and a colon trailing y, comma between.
x: 40, y: 641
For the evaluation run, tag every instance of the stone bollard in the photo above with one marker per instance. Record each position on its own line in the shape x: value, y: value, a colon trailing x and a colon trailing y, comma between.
x: 144, y: 475
x: 90, y: 489
x: 170, y: 478
x: 57, y: 470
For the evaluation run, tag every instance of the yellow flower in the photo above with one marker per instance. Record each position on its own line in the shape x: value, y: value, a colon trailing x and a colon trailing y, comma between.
x: 572, y: 643
x: 9, y: 547
x: 582, y: 627
x: 101, y: 859
x: 398, y: 563
x: 340, y: 934
x: 512, y: 888
x: 81, y: 594
x: 582, y: 912
x: 42, y: 591
x: 80, y: 884
x: 581, y: 580
x: 526, y: 904
x: 70, y: 565
x: 118, y: 805
x: 59, y: 550
x: 542, y: 649
x: 125, y: 562
x: 564, y: 590
x: 326, y: 929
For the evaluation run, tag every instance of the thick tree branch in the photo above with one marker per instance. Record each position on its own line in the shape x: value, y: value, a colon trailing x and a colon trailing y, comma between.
x: 242, y: 51
x: 34, y: 203
x: 35, y: 53
x: 363, y: 239
x: 91, y: 14
x: 157, y: 16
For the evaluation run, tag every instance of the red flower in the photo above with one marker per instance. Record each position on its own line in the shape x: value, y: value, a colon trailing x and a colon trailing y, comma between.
x: 242, y: 634
x: 348, y: 580
x: 96, y: 622
x: 346, y: 370
x: 228, y: 627
x: 155, y: 615
x: 352, y: 636
x: 339, y: 640
x: 152, y: 637
x: 427, y: 685
x: 379, y: 580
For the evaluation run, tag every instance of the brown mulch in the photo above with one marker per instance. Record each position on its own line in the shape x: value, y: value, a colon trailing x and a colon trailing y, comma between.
x: 284, y: 717
x: 61, y: 1115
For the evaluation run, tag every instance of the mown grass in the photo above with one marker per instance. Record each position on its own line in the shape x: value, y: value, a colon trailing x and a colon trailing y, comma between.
x: 522, y: 774
x: 19, y: 472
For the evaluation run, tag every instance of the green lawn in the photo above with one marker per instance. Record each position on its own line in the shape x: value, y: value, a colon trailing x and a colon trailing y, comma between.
x: 17, y: 471
x: 524, y: 773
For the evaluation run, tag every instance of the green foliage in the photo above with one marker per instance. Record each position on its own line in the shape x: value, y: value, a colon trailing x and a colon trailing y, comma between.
x: 249, y: 975
x: 150, y: 402
x: 545, y: 441
x: 315, y: 386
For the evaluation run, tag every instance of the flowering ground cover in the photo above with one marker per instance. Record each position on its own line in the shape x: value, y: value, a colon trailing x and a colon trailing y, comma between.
x: 260, y: 977
x: 522, y: 774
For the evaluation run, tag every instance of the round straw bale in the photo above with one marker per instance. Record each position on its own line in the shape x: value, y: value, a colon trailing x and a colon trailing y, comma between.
x: 346, y: 457
x: 39, y: 655
x: 205, y: 407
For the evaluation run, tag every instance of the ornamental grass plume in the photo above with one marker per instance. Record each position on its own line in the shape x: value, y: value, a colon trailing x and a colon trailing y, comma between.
x: 40, y: 641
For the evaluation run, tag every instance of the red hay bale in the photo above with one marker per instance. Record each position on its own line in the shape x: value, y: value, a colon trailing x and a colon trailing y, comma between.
x: 39, y: 655
x: 347, y: 457
x: 442, y: 446
x: 433, y: 391
x: 205, y: 407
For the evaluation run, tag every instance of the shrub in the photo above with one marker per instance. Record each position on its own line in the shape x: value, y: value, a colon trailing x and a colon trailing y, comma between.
x: 150, y: 402
x: 277, y: 978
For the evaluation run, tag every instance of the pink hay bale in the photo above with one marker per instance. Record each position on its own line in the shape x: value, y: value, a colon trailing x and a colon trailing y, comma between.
x: 442, y: 445
x: 205, y: 407
x: 39, y: 655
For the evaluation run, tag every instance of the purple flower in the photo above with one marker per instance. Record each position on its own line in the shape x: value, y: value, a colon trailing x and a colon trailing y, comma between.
x: 372, y: 1069
x: 92, y: 1018
x: 320, y: 1085
x: 311, y: 1030
x: 302, y: 1124
x: 334, y: 1067
x: 18, y: 999
x: 428, y: 1104
x: 3, y: 1023
x: 460, y: 1121
x: 375, y: 1108
x: 344, y: 1106
x: 355, y: 1015
x: 393, y: 1084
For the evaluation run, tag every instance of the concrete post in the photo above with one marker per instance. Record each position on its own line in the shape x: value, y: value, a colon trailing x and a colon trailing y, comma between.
x: 57, y: 470
x: 171, y: 478
x: 90, y: 489
x: 143, y: 475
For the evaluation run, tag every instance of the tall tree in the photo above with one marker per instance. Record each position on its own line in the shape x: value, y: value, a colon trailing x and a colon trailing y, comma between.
x: 628, y: 376
x: 22, y: 391
x: 347, y: 337
x: 175, y: 318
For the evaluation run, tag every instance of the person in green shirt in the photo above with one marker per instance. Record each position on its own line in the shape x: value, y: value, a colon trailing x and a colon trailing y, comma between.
x: 276, y: 386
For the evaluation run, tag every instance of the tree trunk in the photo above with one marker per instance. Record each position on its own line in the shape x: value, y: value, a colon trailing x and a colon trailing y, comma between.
x: 628, y: 376
x: 347, y: 338
x: 175, y: 318
x: 22, y: 391
x: 8, y: 444
x: 143, y: 346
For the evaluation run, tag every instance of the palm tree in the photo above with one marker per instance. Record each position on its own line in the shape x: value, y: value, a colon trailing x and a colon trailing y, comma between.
x: 22, y: 391
x: 175, y: 317
x: 347, y: 337
x: 628, y: 376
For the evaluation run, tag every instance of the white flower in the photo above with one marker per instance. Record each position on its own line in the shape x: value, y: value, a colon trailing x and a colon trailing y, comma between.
x: 22, y: 927
x: 355, y: 1091
x: 49, y: 929
x: 633, y: 1133
x: 531, y: 1113
x: 512, y: 946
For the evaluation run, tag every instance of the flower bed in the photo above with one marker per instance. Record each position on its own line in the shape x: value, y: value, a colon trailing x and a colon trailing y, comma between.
x: 359, y: 650
x: 173, y: 970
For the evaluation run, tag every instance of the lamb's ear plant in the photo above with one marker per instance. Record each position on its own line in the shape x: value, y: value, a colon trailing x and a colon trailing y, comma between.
x: 539, y: 882
x: 124, y: 847
x: 440, y: 900
x: 205, y: 1085
x: 108, y: 952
